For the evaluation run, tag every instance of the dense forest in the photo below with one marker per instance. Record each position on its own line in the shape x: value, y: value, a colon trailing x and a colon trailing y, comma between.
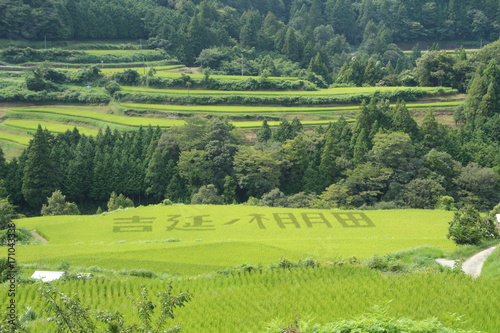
x: 385, y: 160
x: 272, y: 22
x: 300, y: 29
x: 340, y: 41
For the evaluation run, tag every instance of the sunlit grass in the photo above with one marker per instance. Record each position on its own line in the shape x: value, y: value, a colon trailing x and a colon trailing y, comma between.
x: 322, y: 92
x: 51, y: 127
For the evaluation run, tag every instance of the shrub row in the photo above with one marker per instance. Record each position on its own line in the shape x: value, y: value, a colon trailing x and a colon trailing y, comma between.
x: 13, y: 94
x: 248, y: 84
x: 404, y: 94
x: 21, y: 55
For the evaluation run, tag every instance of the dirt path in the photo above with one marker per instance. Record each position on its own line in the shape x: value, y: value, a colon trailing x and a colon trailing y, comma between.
x: 474, y: 264
x: 37, y: 236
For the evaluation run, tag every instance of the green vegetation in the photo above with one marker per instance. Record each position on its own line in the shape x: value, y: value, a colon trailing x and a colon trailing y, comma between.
x: 174, y: 75
x: 491, y: 266
x: 57, y: 205
x: 244, y: 299
x: 22, y: 140
x: 52, y: 127
x: 221, y: 109
x: 202, y: 251
x: 468, y: 227
x: 314, y: 186
x: 14, y: 55
x: 367, y: 91
x: 89, y: 113
x: 100, y: 119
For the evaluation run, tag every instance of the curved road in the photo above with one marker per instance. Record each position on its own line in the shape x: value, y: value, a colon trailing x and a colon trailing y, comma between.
x: 474, y: 264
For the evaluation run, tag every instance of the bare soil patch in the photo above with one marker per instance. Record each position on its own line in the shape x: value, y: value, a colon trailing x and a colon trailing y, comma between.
x: 37, y: 236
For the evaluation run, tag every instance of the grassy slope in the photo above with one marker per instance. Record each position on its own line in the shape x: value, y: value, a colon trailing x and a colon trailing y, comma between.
x: 89, y: 113
x: 52, y: 127
x: 270, y: 109
x: 90, y: 240
x: 322, y: 92
x: 491, y: 266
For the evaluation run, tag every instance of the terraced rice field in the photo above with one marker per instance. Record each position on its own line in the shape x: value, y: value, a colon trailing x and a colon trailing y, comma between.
x: 323, y: 92
x: 245, y: 110
x: 32, y: 125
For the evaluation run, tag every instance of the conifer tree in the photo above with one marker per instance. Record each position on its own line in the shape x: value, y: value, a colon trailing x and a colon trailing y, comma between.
x: 296, y: 127
x: 341, y: 16
x: 295, y: 152
x: 38, y: 174
x: 317, y: 66
x: 264, y: 134
x: 431, y: 136
x: 403, y: 122
x: 251, y: 22
x: 291, y: 45
x: 158, y: 174
x: 361, y: 147
x: 3, y: 164
x: 79, y: 174
x: 327, y: 168
x: 489, y: 102
x: 283, y: 132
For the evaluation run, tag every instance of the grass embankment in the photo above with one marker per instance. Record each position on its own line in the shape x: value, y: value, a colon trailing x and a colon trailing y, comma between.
x: 14, y: 138
x: 246, y: 110
x: 32, y: 125
x: 90, y: 113
x: 322, y: 92
x: 213, y: 237
x: 491, y: 266
x: 100, y: 119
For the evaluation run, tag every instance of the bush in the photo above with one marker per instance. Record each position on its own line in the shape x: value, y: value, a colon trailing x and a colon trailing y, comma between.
x: 403, y: 94
x: 119, y: 202
x: 18, y: 55
x: 57, y: 205
x: 128, y: 77
x: 23, y: 236
x: 468, y: 227
x: 207, y: 195
x: 70, y: 95
x: 112, y: 87
x: 6, y: 213
x: 28, y: 314
x: 376, y: 322
x: 230, y: 84
x: 274, y: 198
x: 140, y: 273
x: 446, y: 203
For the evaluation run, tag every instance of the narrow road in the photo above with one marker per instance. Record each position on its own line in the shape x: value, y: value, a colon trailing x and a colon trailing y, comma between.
x: 474, y: 264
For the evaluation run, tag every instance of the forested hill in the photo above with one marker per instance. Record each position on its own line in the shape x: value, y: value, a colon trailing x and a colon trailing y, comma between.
x: 297, y: 28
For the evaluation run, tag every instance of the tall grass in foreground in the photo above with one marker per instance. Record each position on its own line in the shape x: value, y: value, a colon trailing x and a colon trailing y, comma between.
x: 246, y: 302
x: 491, y: 266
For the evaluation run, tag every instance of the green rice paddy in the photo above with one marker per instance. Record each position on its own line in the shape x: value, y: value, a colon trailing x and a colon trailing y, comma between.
x: 323, y: 92
x: 19, y: 139
x: 268, y: 109
x: 195, y: 245
x: 214, y: 237
x: 250, y: 302
x: 89, y: 113
x: 51, y: 127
